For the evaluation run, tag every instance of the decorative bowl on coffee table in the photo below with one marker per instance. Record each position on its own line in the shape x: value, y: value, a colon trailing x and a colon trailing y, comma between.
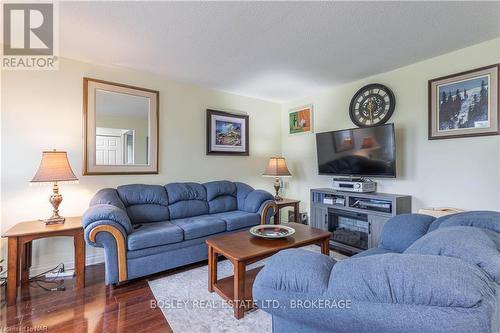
x: 270, y: 231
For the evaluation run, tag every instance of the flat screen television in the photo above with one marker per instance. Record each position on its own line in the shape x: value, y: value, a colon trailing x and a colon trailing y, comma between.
x: 358, y: 152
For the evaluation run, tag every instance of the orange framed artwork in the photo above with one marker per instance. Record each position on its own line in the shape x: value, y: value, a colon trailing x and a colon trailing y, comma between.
x: 300, y: 120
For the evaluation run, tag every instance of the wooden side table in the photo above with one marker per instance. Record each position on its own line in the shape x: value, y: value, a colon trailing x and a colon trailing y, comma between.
x: 20, y: 237
x: 287, y: 203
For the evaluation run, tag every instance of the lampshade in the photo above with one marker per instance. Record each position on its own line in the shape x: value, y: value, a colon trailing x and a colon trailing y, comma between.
x: 277, y: 168
x: 54, y: 167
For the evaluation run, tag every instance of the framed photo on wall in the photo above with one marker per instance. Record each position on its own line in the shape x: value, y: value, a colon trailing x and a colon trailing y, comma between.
x: 300, y: 120
x: 465, y: 104
x: 227, y: 133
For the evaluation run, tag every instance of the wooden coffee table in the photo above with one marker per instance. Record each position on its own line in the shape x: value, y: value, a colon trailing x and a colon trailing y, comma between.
x: 242, y: 249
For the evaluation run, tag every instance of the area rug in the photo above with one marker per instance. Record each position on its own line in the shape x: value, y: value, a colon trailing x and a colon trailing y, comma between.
x: 189, y: 307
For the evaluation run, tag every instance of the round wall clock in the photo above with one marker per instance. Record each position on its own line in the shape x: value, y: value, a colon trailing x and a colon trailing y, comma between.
x: 372, y: 105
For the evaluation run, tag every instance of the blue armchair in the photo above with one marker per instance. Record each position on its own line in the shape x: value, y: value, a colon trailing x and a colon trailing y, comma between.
x: 428, y: 275
x: 145, y: 229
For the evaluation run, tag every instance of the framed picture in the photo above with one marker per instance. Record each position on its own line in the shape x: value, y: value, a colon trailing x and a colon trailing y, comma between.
x: 227, y: 133
x: 464, y: 104
x: 300, y: 120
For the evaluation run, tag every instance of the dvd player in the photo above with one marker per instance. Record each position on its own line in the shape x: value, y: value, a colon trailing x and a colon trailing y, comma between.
x: 358, y: 185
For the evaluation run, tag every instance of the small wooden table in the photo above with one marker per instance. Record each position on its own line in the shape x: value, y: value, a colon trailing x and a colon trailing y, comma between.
x: 20, y: 237
x: 287, y: 203
x: 242, y: 249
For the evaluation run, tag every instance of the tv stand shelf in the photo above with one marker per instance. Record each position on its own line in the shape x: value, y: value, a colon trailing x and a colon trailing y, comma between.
x: 364, y: 213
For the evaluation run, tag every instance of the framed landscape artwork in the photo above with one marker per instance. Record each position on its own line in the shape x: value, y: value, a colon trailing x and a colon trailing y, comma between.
x: 300, y: 120
x: 464, y: 104
x: 227, y: 133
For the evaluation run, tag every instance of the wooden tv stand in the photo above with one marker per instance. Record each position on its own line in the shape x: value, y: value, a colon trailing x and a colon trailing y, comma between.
x: 365, y: 212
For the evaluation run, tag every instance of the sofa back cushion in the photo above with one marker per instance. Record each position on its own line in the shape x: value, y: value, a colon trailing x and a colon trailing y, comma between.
x: 144, y: 203
x: 107, y: 196
x: 480, y: 219
x: 221, y: 196
x: 402, y: 230
x: 410, y: 279
x: 242, y: 192
x: 437, y: 222
x: 186, y: 200
x: 472, y: 245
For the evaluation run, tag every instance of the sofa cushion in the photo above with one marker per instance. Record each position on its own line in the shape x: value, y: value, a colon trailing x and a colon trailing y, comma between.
x: 410, y: 279
x: 154, y: 234
x: 469, y: 244
x: 494, y: 236
x: 107, y: 196
x: 294, y: 271
x: 145, y: 203
x: 136, y: 194
x: 255, y: 199
x: 186, y: 200
x: 218, y: 188
x: 437, y: 222
x: 480, y: 219
x: 147, y: 213
x: 199, y: 226
x: 402, y: 230
x: 242, y: 191
x: 237, y: 219
x: 221, y: 196
x: 371, y: 252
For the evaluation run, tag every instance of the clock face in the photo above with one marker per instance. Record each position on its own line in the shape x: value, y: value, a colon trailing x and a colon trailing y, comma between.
x: 372, y: 105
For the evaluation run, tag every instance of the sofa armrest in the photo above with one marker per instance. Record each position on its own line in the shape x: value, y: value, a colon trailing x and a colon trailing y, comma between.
x: 296, y: 271
x: 108, y: 226
x: 112, y: 237
x: 255, y: 199
x: 267, y: 210
x: 411, y: 280
x: 107, y: 196
x: 291, y: 275
x: 402, y: 230
x: 106, y: 212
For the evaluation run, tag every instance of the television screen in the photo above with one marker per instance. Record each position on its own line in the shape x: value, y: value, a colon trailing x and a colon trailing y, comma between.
x: 363, y: 152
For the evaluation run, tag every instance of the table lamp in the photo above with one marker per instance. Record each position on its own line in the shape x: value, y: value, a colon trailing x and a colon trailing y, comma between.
x: 277, y: 168
x: 54, y: 168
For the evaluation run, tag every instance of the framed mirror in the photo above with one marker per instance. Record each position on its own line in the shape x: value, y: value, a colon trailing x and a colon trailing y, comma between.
x: 120, y: 128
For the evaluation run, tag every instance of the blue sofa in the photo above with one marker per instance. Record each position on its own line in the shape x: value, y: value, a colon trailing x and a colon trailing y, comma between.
x: 145, y: 229
x: 428, y: 275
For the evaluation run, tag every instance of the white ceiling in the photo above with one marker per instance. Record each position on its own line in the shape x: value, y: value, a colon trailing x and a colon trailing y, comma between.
x: 277, y: 51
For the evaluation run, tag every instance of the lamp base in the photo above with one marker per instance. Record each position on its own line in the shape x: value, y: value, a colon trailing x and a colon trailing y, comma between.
x: 55, y: 199
x: 277, y: 186
x: 53, y: 220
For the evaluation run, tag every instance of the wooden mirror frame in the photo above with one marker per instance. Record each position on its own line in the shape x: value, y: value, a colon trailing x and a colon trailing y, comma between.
x: 89, y: 129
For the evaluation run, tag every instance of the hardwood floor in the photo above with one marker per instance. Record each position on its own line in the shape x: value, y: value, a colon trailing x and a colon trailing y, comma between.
x: 96, y: 308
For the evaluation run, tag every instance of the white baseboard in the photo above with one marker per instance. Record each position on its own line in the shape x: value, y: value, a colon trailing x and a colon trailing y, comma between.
x: 89, y: 260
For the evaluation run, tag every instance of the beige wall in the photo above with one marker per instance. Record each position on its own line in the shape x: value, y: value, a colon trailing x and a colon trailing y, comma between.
x: 455, y: 172
x: 43, y: 110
